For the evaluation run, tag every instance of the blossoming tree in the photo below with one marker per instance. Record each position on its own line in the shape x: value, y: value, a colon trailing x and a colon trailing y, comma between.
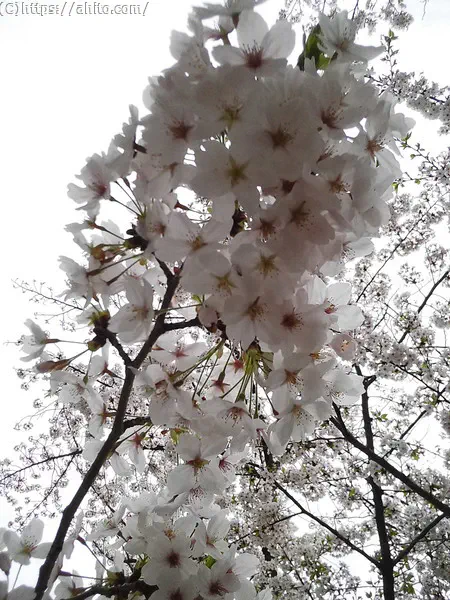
x: 232, y: 384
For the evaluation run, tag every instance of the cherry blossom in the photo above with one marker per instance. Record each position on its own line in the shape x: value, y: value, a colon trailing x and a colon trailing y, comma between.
x: 184, y: 238
x: 210, y: 539
x: 28, y: 545
x: 34, y: 344
x: 229, y: 8
x: 133, y: 320
x: 261, y: 50
x: 198, y: 470
x: 97, y: 176
x: 170, y: 558
x: 131, y: 444
x: 296, y: 417
x: 176, y: 588
x: 338, y: 35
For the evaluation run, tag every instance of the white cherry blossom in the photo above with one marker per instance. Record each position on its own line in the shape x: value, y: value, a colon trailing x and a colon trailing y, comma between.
x: 27, y: 545
x: 96, y: 176
x: 338, y: 35
x: 134, y: 320
x: 229, y: 8
x: 34, y: 345
x: 261, y: 50
x: 170, y: 557
x: 198, y: 470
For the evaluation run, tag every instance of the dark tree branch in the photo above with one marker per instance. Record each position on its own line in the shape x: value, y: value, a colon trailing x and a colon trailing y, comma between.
x: 386, y: 565
x: 51, y: 490
x: 287, y: 517
x: 195, y: 322
x: 432, y: 290
x: 112, y: 338
x: 425, y: 300
x: 167, y: 272
x: 387, y: 466
x: 159, y: 327
x: 70, y: 510
x: 116, y: 431
x: 331, y: 529
x: 136, y: 421
x: 299, y: 577
x: 419, y: 537
x: 439, y: 393
x: 121, y: 591
x: 407, y: 430
x: 41, y: 462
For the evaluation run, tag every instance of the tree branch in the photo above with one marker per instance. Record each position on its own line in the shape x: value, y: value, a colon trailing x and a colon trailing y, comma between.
x: 159, y: 327
x: 386, y: 565
x: 40, y: 462
x: 331, y: 529
x: 428, y: 496
x: 407, y: 430
x: 70, y: 510
x: 116, y: 431
x: 299, y: 577
x: 165, y: 269
x: 136, y: 421
x: 267, y: 526
x: 195, y: 322
x: 112, y: 338
x: 425, y: 300
x: 121, y: 591
x: 418, y: 538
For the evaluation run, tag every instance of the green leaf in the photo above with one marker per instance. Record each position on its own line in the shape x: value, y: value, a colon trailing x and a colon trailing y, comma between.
x: 408, y: 588
x: 209, y: 561
x: 415, y: 455
x: 175, y: 436
x: 312, y: 50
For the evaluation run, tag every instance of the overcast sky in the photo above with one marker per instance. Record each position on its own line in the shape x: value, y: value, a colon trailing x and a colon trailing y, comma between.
x: 66, y: 86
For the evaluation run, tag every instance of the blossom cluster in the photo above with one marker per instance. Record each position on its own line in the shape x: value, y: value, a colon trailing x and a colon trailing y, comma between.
x: 421, y: 95
x: 246, y: 187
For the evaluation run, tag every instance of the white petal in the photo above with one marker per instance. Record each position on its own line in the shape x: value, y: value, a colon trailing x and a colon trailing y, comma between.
x: 42, y: 550
x: 279, y: 42
x: 251, y: 29
x: 227, y: 55
x: 33, y: 532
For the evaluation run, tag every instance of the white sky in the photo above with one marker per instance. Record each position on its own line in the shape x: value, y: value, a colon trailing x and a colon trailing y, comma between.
x: 66, y: 86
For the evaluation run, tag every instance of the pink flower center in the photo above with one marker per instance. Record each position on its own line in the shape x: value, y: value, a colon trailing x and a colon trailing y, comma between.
x: 173, y: 559
x: 256, y: 310
x: 280, y: 138
x: 373, y: 146
x: 180, y: 130
x: 253, y: 57
x: 197, y: 463
x: 99, y: 189
x: 291, y: 321
x: 331, y: 309
x: 217, y: 589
